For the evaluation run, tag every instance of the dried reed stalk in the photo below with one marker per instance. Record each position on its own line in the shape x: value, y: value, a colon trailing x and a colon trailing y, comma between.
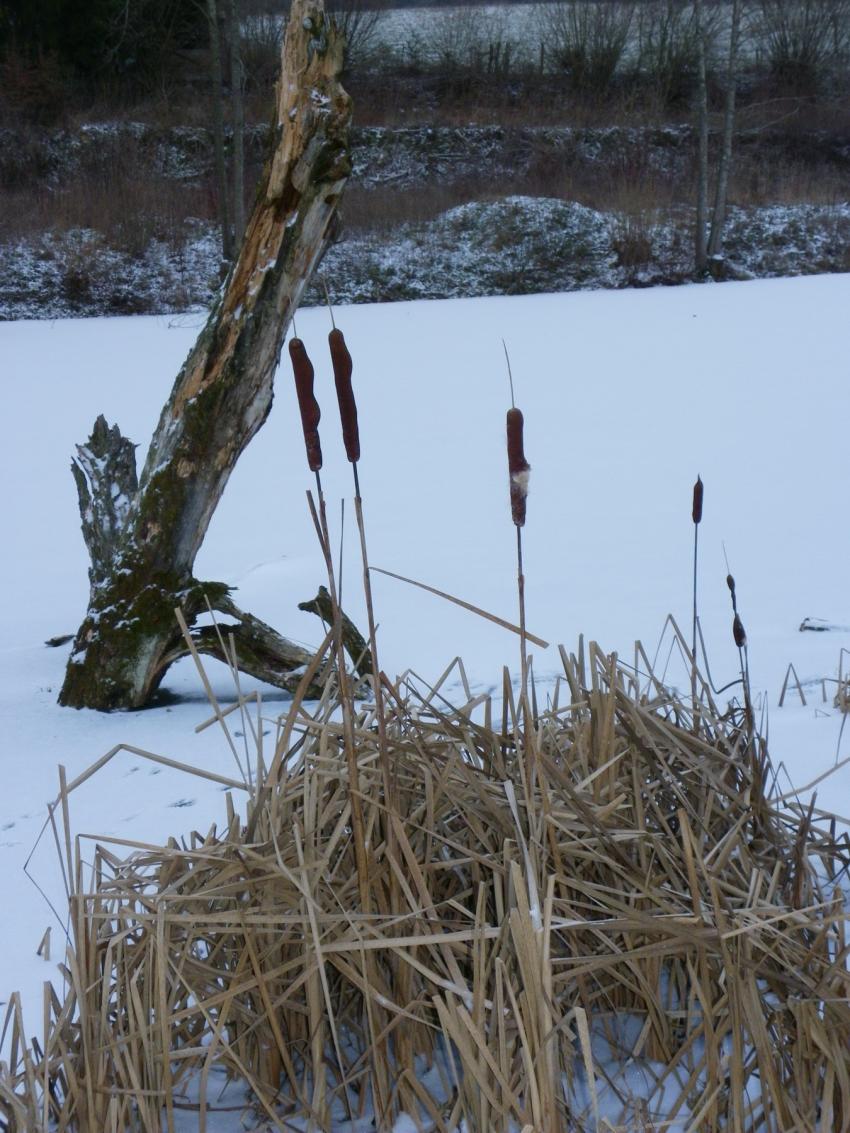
x: 646, y: 894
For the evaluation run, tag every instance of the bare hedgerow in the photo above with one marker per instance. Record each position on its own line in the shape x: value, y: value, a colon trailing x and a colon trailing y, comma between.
x: 472, y: 40
x: 360, y: 23
x: 668, y: 37
x: 262, y: 35
x: 631, y: 240
x: 588, y: 40
x: 803, y: 41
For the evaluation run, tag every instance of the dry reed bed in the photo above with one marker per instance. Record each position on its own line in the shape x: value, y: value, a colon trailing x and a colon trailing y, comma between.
x: 528, y: 885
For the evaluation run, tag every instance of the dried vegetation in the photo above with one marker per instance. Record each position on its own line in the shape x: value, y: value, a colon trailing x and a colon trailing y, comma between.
x: 616, y: 867
x: 493, y: 916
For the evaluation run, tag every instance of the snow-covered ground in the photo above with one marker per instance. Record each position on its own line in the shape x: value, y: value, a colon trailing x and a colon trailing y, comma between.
x: 627, y: 396
x: 450, y: 237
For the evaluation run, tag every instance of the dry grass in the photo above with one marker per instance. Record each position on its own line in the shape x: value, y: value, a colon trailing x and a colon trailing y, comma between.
x: 115, y: 189
x: 535, y: 882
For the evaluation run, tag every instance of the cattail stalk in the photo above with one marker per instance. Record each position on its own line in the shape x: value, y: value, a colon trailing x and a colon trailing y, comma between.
x: 518, y: 474
x: 310, y: 417
x: 308, y: 407
x: 518, y: 466
x: 533, y: 774
x: 739, y: 636
x: 696, y: 516
x: 343, y: 368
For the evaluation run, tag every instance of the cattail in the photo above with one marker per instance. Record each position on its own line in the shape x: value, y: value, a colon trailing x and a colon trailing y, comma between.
x: 302, y: 367
x: 730, y: 582
x: 518, y: 467
x: 342, y: 366
x: 696, y: 514
x: 697, y: 506
x: 738, y: 632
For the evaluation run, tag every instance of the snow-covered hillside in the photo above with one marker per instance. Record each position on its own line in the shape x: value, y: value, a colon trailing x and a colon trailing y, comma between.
x: 574, y: 208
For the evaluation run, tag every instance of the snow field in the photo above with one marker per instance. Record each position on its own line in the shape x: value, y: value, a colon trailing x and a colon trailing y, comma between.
x: 626, y: 396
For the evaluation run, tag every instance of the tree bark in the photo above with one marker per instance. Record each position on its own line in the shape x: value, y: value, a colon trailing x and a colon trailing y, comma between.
x: 257, y: 649
x: 143, y: 536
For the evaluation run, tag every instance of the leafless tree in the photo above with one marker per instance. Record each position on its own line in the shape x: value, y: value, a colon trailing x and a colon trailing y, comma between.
x: 589, y: 40
x: 700, y: 230
x: 708, y: 234
x: 359, y: 23
x: 217, y: 84
x: 803, y: 39
x: 237, y: 104
x: 724, y: 163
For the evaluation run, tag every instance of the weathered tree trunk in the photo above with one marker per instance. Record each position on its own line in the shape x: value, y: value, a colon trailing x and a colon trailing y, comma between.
x: 143, y: 536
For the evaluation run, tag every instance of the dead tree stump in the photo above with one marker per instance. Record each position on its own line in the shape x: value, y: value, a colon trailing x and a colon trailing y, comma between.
x: 143, y: 533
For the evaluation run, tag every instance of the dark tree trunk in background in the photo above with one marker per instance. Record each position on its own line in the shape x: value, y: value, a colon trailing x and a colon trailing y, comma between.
x: 237, y: 105
x: 718, y: 219
x: 143, y: 535
x: 700, y: 233
x: 218, y: 132
x: 708, y: 238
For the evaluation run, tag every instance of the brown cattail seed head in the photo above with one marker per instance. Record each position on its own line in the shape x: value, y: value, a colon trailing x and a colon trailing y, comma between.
x: 302, y: 367
x: 342, y: 365
x: 696, y: 511
x: 518, y: 466
x: 730, y: 582
x: 738, y: 632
